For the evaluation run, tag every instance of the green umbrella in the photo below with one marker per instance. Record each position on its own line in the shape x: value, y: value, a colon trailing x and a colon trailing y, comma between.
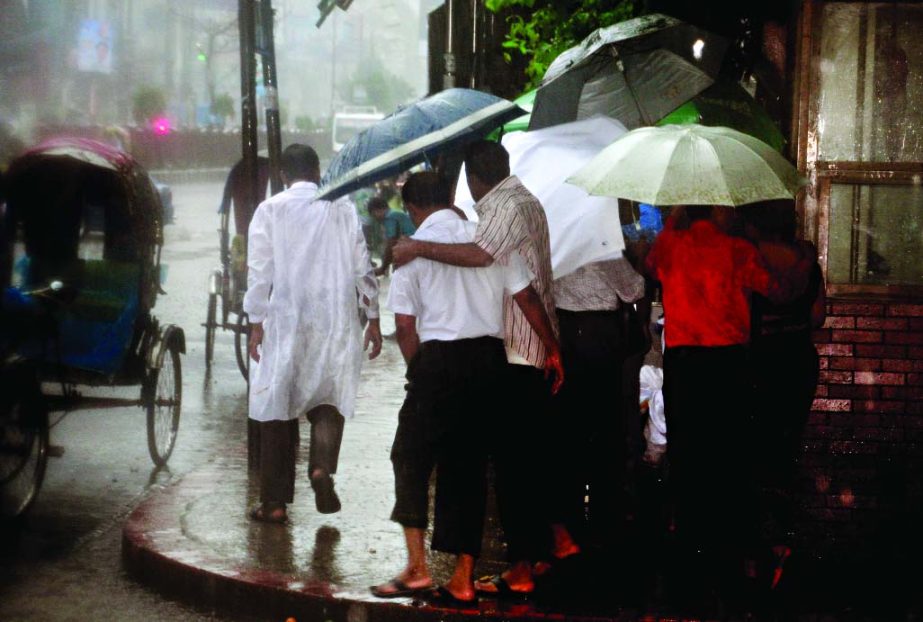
x: 728, y: 105
x: 689, y: 165
x: 521, y: 124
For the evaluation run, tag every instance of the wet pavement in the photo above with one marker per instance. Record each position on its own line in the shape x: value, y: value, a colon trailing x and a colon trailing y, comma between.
x: 111, y: 537
x: 62, y: 561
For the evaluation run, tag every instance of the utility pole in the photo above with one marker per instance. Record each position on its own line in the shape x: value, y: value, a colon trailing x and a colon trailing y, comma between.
x: 448, y: 78
x: 246, y: 10
x: 246, y: 15
x: 333, y: 71
x: 271, y: 104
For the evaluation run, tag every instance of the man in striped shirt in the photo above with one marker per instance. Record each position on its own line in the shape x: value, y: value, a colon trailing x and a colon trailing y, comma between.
x: 511, y: 220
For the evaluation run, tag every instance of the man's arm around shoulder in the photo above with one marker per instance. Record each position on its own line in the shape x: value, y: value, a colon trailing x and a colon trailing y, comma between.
x: 467, y: 255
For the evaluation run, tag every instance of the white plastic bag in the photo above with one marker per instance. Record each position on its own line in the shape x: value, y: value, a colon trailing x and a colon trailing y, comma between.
x: 655, y: 430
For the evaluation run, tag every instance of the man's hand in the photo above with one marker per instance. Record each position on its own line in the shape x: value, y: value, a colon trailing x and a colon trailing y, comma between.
x: 403, y: 252
x: 256, y: 339
x: 373, y: 336
x: 553, y: 366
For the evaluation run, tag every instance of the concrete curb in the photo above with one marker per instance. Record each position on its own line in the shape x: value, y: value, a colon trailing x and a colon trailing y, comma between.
x: 157, y: 551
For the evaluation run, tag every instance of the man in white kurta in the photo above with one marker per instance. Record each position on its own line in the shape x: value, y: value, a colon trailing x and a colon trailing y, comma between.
x: 308, y: 275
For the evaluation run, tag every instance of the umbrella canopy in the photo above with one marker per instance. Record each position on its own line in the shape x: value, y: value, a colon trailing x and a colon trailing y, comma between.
x: 731, y: 106
x: 689, y: 165
x: 583, y: 228
x: 636, y: 71
x: 421, y: 131
x: 521, y: 124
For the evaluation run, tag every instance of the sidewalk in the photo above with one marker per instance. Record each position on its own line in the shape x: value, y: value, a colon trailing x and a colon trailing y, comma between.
x: 193, y: 540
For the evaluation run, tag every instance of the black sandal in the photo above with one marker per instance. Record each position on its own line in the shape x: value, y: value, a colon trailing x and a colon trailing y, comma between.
x: 264, y: 513
x: 397, y: 589
x: 502, y: 588
x: 440, y: 596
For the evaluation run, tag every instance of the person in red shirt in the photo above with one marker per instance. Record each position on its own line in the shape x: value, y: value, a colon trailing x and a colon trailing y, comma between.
x: 708, y: 277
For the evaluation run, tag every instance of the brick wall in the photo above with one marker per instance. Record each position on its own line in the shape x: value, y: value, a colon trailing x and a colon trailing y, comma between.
x: 862, y: 464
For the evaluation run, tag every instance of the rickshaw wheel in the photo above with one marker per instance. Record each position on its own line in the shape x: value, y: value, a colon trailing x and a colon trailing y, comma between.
x: 164, y: 403
x: 211, y: 328
x: 23, y: 444
x: 241, y: 338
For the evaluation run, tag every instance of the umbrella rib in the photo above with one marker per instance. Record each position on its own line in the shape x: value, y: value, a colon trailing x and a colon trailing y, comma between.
x: 725, y: 190
x: 763, y: 160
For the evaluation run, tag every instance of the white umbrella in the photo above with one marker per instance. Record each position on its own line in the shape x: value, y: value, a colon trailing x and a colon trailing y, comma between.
x: 689, y: 165
x: 583, y: 228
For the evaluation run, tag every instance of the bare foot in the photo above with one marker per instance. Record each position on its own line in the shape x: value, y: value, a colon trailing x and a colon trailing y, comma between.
x: 564, y: 545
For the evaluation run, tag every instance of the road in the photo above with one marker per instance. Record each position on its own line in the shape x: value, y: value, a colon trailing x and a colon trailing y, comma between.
x: 63, y: 562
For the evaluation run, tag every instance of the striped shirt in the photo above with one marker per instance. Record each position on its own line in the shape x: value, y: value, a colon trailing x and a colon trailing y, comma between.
x: 511, y: 220
x: 599, y: 286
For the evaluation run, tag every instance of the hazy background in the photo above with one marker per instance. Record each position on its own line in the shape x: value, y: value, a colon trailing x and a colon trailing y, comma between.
x: 79, y: 63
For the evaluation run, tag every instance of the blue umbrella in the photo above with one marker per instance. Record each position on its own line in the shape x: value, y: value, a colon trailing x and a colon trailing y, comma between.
x: 416, y: 133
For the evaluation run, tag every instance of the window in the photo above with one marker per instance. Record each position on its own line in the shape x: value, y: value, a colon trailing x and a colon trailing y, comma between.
x: 867, y: 113
x: 875, y: 234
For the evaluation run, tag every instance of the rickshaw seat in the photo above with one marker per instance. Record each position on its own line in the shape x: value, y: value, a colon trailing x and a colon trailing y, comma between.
x: 106, y: 288
x: 96, y: 329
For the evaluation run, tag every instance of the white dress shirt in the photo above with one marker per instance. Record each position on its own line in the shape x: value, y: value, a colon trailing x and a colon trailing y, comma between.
x: 450, y: 302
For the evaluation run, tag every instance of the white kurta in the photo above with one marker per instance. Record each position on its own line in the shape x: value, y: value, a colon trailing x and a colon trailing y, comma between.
x: 306, y: 260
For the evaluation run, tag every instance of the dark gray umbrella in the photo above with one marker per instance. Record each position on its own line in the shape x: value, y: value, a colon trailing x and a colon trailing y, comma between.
x: 636, y: 71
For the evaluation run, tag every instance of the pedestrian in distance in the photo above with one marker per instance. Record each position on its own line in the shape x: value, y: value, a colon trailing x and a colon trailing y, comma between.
x: 394, y: 224
x: 307, y: 259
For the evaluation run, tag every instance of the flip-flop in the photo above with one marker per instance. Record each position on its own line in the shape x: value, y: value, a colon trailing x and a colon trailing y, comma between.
x: 502, y: 589
x: 259, y: 513
x: 397, y: 589
x: 440, y: 596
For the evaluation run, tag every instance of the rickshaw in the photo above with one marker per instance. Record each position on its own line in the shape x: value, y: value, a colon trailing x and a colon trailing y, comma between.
x: 229, y: 281
x: 80, y: 250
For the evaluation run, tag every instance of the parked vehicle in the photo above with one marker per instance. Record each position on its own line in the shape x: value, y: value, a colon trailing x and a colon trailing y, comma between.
x: 83, y: 236
x: 350, y: 121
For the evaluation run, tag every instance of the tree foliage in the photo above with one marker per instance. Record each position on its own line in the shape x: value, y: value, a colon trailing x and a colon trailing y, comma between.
x: 542, y: 29
x: 148, y: 102
x: 373, y: 84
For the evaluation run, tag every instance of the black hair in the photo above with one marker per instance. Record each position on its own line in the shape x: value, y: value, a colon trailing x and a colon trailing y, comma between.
x: 300, y: 162
x: 426, y: 189
x: 377, y: 202
x: 488, y: 161
x: 774, y: 220
x: 698, y: 212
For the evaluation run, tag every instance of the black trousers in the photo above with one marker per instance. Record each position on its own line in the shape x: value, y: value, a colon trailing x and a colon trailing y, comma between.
x: 708, y: 401
x: 279, y: 441
x: 413, y: 461
x: 588, y: 448
x: 786, y: 372
x: 518, y: 439
x: 458, y: 385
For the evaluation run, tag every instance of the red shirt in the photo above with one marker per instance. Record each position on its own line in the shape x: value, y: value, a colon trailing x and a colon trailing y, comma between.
x: 707, y: 279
